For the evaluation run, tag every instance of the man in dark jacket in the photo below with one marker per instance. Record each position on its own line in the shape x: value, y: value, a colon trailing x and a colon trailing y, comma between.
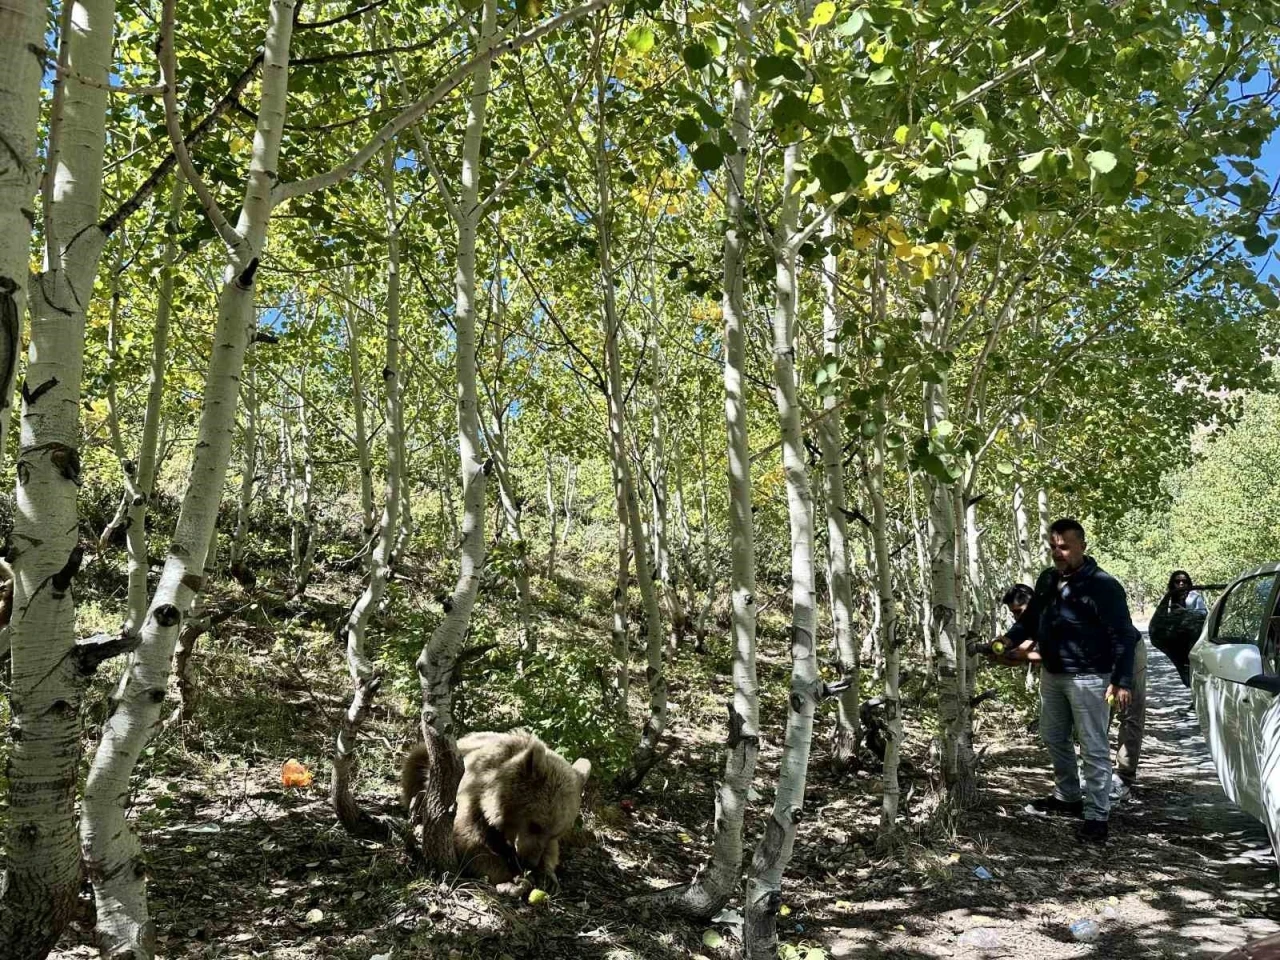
x: 1078, y: 618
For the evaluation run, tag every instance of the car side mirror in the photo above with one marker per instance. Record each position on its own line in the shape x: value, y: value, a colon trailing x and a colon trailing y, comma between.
x: 1237, y: 662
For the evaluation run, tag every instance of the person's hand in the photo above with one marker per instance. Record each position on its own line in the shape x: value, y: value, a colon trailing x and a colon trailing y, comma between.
x: 1121, y: 697
x: 1014, y: 656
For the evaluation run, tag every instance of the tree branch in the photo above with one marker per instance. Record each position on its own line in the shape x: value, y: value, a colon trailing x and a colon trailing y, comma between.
x: 341, y: 18
x: 414, y: 112
x: 198, y: 133
x: 168, y: 75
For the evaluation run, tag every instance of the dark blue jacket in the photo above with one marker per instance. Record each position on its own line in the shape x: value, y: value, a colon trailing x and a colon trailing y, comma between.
x: 1080, y: 624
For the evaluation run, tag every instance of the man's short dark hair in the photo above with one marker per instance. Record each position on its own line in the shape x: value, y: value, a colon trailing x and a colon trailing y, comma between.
x: 1067, y: 525
x: 1019, y: 594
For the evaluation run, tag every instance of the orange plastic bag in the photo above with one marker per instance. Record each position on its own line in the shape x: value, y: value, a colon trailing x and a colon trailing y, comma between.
x: 294, y: 774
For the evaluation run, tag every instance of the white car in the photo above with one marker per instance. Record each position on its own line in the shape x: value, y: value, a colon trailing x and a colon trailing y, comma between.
x: 1235, y: 679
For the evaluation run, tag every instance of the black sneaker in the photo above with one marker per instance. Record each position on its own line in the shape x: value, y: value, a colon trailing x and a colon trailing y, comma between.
x: 1093, y: 831
x: 1052, y: 804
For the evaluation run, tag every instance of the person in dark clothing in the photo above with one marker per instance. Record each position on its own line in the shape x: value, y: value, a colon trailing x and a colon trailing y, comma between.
x: 1078, y: 620
x: 1016, y: 598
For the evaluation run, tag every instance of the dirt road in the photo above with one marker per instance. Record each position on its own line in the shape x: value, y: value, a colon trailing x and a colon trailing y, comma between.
x: 1186, y: 874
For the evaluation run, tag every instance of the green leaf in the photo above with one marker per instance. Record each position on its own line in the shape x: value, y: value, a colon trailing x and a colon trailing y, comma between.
x: 770, y: 67
x: 881, y: 77
x: 965, y: 165
x: 688, y: 130
x: 640, y: 39
x: 696, y: 55
x: 944, y: 428
x: 707, y: 157
x: 1103, y: 161
x: 789, y: 110
x: 973, y: 140
x: 1004, y: 468
x: 851, y: 26
x: 1258, y: 245
x: 1032, y: 163
x: 823, y: 14
x: 712, y: 939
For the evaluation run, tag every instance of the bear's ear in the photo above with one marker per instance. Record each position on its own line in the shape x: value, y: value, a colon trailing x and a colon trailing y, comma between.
x: 530, y: 760
x: 582, y: 767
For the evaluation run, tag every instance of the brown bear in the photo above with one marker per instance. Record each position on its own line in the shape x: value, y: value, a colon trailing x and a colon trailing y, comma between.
x: 516, y: 800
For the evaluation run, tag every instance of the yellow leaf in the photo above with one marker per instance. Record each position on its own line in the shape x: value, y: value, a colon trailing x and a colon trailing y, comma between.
x: 876, y: 50
x: 902, y: 251
x: 816, y: 95
x: 928, y: 269
x: 890, y: 188
x: 897, y: 237
x: 784, y: 911
x: 862, y: 238
x: 1140, y: 178
x: 823, y: 14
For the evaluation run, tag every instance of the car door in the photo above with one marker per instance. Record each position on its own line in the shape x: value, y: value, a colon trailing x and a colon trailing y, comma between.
x: 1266, y: 702
x: 1232, y: 712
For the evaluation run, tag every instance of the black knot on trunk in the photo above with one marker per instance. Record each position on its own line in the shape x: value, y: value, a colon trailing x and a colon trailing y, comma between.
x: 245, y: 280
x: 62, y: 579
x: 66, y: 460
x: 167, y: 615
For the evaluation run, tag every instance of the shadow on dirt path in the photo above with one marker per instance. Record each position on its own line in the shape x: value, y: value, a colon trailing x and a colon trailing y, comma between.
x: 1185, y: 874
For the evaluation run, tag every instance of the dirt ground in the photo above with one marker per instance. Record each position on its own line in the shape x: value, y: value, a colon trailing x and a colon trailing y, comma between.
x: 1185, y: 873
x: 242, y: 868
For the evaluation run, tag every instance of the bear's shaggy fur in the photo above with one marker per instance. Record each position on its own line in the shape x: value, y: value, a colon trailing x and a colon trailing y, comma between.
x: 516, y: 800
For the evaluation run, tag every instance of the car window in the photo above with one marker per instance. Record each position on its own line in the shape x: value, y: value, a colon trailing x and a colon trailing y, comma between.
x: 1271, y: 642
x: 1245, y: 610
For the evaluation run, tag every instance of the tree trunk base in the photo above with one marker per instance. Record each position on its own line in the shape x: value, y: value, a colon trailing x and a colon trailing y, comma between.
x: 432, y: 805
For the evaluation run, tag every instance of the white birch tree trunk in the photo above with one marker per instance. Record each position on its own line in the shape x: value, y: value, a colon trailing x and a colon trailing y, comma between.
x: 709, y: 569
x: 364, y: 677
x: 147, y: 451
x: 511, y: 503
x: 957, y: 767
x: 619, y: 639
x: 362, y: 431
x: 304, y: 546
x: 435, y: 663
x: 553, y: 515
x: 722, y: 875
x: 922, y: 580
x: 764, y: 887
x: 249, y: 466
x: 844, y: 749
x: 888, y: 639
x: 49, y: 669
x: 111, y: 850
x: 661, y: 537
x: 1022, y: 534
x: 22, y: 25
x: 645, y: 754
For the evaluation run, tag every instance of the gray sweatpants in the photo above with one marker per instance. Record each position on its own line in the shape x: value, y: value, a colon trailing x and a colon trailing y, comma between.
x: 1133, y: 718
x: 1077, y: 701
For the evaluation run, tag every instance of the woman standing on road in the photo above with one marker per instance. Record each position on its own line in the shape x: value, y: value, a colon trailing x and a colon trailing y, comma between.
x: 1182, y: 596
x: 1176, y: 624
